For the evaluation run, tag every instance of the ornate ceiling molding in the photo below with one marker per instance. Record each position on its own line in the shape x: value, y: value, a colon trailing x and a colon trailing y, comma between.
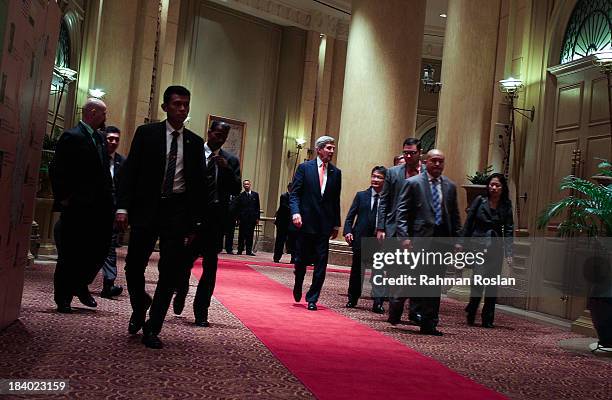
x: 285, y: 13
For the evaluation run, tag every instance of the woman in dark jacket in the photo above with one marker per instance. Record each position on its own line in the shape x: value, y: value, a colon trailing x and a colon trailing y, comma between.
x: 490, y: 223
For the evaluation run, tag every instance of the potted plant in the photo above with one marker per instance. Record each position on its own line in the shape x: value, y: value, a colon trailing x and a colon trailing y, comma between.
x: 588, y: 210
x: 604, y: 174
x: 478, y: 184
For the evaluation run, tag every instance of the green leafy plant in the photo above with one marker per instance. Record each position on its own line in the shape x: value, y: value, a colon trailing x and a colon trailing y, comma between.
x: 589, y: 207
x: 605, y: 168
x: 480, y: 177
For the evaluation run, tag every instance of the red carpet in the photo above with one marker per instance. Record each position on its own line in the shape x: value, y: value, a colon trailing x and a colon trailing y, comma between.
x: 334, y: 356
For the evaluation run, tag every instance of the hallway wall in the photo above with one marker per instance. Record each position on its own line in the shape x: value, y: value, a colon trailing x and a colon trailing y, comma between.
x: 27, y: 48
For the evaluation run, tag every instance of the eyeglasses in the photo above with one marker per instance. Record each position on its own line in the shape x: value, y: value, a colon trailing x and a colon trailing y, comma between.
x: 410, y: 152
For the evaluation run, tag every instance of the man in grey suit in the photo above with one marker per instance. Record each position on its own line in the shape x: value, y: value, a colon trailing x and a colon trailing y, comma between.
x: 394, y: 181
x: 427, y: 208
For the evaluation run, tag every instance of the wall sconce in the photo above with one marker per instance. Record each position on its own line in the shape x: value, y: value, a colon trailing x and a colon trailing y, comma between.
x: 603, y: 60
x: 429, y: 84
x: 67, y: 76
x: 511, y: 87
x: 299, y: 145
x: 97, y: 93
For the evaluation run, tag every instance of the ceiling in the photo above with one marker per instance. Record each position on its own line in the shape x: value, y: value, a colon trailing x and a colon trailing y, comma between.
x: 432, y: 18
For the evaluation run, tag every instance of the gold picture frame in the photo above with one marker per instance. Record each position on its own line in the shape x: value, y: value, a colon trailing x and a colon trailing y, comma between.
x: 235, y: 139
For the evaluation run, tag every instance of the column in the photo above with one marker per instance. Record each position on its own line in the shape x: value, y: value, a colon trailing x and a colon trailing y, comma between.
x: 468, y: 87
x: 381, y: 88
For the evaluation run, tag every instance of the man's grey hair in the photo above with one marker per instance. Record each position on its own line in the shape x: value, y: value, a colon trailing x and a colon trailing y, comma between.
x: 323, y: 140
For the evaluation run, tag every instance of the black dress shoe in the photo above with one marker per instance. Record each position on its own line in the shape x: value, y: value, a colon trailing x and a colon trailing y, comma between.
x: 229, y: 252
x: 393, y: 321
x: 178, y: 304
x: 201, y: 318
x: 470, y: 319
x: 378, y: 309
x: 415, y: 318
x: 87, y: 299
x: 202, y: 323
x: 250, y: 253
x: 152, y: 341
x: 297, y: 292
x: 277, y: 260
x: 488, y: 325
x: 312, y: 306
x: 137, y: 319
x: 431, y: 332
x: 64, y: 308
x: 136, y: 322
x: 239, y: 253
x: 110, y: 292
x: 351, y: 304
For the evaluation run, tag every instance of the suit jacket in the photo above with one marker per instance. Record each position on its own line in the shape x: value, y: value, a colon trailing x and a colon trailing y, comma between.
x: 365, y: 225
x: 481, y: 223
x: 415, y: 213
x: 283, y: 214
x: 80, y: 172
x: 389, y: 196
x: 320, y: 214
x: 228, y: 182
x: 144, y: 170
x: 248, y: 207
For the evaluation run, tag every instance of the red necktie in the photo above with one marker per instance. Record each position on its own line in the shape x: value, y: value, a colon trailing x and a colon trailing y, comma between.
x: 321, y: 175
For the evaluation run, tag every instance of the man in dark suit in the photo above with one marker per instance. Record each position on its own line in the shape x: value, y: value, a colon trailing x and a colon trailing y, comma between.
x: 394, y: 181
x: 282, y: 221
x: 315, y: 209
x: 109, y: 267
x: 82, y: 189
x: 247, y: 206
x: 427, y: 208
x: 361, y: 223
x: 222, y: 179
x: 160, y: 191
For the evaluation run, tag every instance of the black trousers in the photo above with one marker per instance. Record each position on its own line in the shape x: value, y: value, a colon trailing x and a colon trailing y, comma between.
x: 172, y: 227
x: 357, y: 277
x: 80, y: 255
x: 279, y: 242
x: 206, y: 243
x: 245, y: 235
x: 490, y: 269
x: 427, y: 306
x: 314, y: 248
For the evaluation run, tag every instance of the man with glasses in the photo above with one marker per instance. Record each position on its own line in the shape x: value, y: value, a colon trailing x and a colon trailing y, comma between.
x: 386, y: 224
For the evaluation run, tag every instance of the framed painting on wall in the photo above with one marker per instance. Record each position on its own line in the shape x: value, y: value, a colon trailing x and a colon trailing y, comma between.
x: 235, y: 138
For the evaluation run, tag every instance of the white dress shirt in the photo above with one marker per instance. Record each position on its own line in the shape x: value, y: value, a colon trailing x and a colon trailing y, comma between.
x: 179, y: 177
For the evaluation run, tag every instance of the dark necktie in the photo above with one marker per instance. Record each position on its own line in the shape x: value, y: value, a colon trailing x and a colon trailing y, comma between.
x: 436, y: 201
x: 373, y: 214
x: 171, y: 165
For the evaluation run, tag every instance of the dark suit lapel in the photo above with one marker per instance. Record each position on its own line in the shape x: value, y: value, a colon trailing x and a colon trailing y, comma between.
x: 87, y: 137
x: 314, y: 173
